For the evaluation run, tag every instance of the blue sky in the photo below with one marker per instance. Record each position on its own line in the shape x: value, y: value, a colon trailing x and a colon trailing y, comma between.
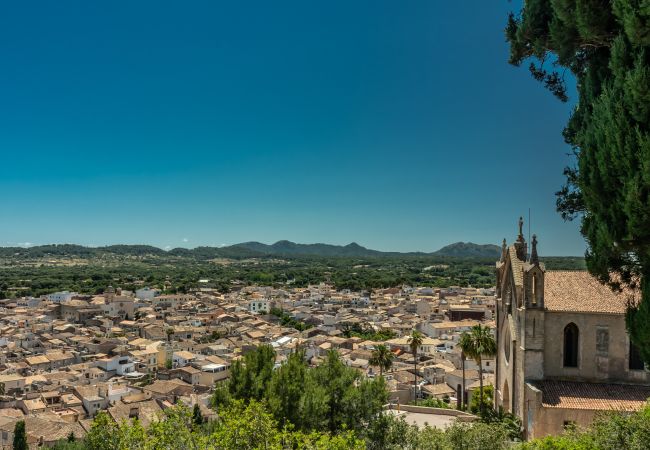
x: 398, y: 125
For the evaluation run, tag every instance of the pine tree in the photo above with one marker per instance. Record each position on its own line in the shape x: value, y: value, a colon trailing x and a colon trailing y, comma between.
x: 605, y: 45
x: 287, y: 390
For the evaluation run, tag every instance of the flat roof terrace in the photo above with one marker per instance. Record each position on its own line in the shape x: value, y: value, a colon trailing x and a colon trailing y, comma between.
x: 435, y: 417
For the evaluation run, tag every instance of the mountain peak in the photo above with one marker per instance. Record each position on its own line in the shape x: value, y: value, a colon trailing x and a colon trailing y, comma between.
x: 469, y: 249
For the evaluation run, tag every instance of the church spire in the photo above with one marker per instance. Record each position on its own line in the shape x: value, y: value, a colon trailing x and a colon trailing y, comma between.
x: 520, y: 244
x: 534, y: 259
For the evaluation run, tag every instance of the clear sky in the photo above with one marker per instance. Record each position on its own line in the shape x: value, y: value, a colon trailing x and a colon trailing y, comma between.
x: 398, y: 125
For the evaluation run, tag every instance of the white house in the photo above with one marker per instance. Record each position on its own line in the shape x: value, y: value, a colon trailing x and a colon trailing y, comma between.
x: 182, y: 358
x: 62, y: 296
x: 146, y: 293
x: 29, y: 302
x: 259, y: 305
x: 121, y: 365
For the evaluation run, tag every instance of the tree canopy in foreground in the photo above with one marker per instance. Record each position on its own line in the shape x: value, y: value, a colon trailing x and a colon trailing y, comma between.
x: 252, y: 426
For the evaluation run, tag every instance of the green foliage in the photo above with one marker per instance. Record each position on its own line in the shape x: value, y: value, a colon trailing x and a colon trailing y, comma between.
x: 476, y: 344
x: 510, y: 422
x: 66, y: 444
x: 476, y: 435
x: 250, y: 425
x: 382, y: 357
x: 197, y: 416
x: 330, y: 397
x: 434, y: 403
x: 350, y: 400
x: 287, y: 390
x: 208, y: 338
x: 103, y: 433
x: 246, y: 427
x: 32, y: 272
x: 605, y: 46
x: 20, y: 436
x: 240, y: 426
x: 175, y: 430
x: 415, y: 341
x: 250, y: 378
x: 287, y: 320
x: 388, y: 432
x: 487, y: 400
x: 366, y: 332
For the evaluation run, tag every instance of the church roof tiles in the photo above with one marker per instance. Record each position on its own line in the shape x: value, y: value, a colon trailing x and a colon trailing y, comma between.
x: 592, y: 396
x: 578, y: 291
x: 517, y: 266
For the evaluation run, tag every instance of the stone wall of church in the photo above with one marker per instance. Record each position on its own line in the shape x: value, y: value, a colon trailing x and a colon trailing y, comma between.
x: 533, y: 341
x: 603, y: 348
x: 540, y: 421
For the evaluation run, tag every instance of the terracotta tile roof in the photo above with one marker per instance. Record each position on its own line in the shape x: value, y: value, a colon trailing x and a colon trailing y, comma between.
x: 580, y: 292
x: 593, y: 396
x: 439, y: 389
x: 517, y: 266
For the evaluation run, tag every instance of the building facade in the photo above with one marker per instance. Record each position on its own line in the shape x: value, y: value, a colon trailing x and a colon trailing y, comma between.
x: 563, y: 351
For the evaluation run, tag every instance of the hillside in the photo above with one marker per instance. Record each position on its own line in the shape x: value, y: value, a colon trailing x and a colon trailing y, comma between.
x: 244, y: 250
x: 469, y: 250
x: 288, y: 248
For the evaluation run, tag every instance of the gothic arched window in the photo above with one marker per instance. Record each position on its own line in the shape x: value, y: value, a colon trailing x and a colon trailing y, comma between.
x: 635, y: 361
x: 571, y: 338
x: 506, y: 345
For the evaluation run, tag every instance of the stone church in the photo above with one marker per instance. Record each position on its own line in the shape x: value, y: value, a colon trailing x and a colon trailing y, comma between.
x: 563, y: 351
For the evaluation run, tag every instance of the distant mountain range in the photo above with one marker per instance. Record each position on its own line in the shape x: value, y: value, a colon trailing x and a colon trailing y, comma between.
x: 469, y: 249
x: 244, y: 250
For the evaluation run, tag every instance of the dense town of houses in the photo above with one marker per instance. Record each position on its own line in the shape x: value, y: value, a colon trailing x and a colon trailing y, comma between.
x: 65, y: 356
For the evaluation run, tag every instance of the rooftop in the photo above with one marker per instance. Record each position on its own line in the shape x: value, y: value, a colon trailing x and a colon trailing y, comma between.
x: 592, y: 396
x: 578, y: 291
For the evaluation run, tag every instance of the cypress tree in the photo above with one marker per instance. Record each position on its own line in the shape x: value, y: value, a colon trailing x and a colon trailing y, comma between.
x: 604, y: 44
x: 20, y: 437
x: 197, y: 416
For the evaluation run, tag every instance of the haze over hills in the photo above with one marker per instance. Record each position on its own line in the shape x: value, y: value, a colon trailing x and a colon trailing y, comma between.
x: 245, y: 250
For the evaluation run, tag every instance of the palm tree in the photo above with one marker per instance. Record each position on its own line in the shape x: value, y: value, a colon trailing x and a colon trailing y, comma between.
x: 382, y: 357
x: 461, y: 401
x: 415, y: 341
x: 476, y: 344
